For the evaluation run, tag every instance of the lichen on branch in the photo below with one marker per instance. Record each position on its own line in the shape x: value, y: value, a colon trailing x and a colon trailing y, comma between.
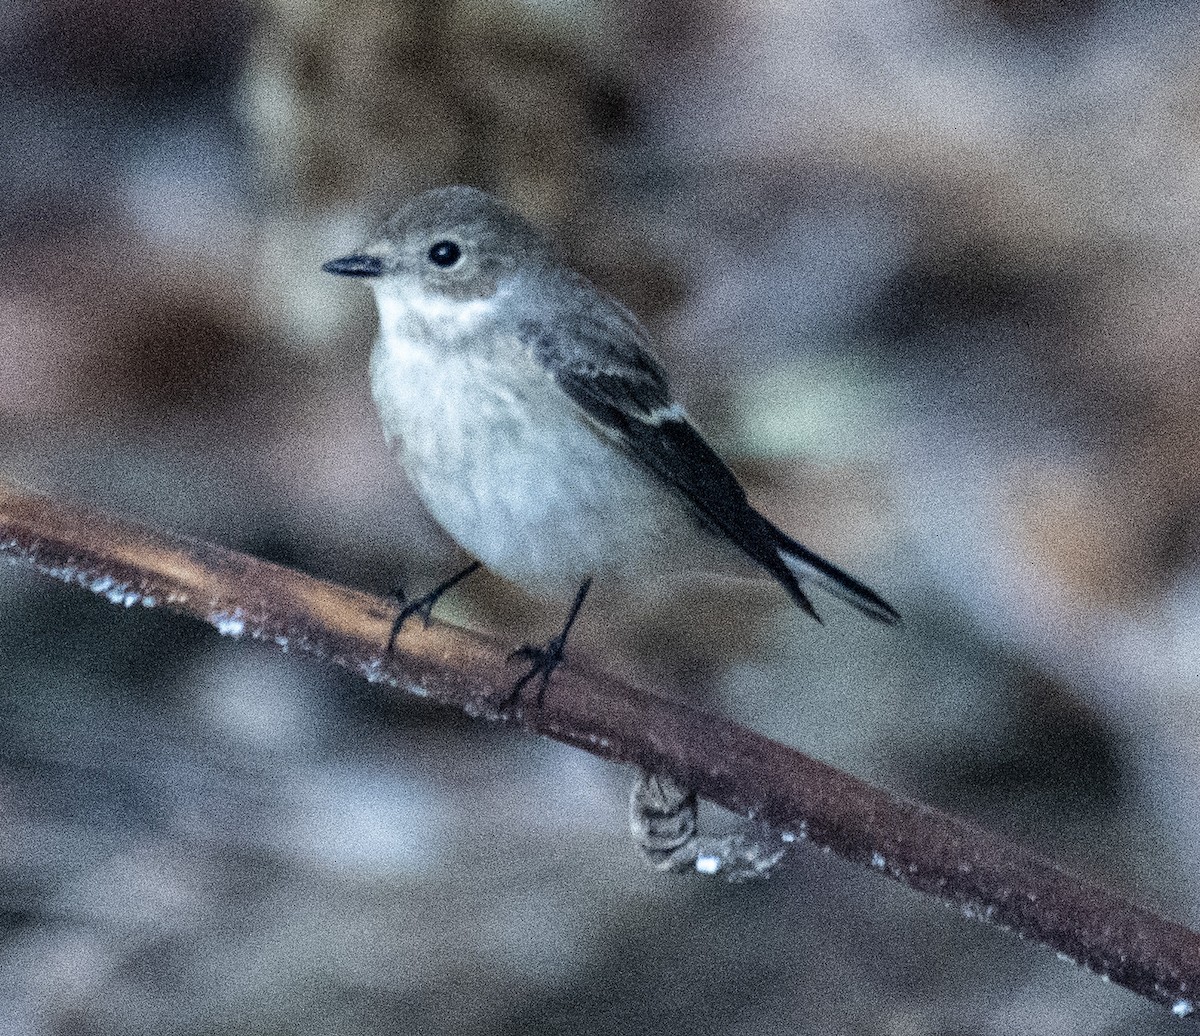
x: 984, y: 876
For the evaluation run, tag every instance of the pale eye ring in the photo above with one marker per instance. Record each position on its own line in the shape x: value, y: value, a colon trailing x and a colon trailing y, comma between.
x: 445, y: 254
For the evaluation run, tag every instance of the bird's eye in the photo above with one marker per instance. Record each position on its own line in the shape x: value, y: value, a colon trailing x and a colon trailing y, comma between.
x: 445, y: 254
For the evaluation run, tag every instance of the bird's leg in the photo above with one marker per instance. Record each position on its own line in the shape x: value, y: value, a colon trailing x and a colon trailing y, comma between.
x: 549, y: 656
x: 423, y: 605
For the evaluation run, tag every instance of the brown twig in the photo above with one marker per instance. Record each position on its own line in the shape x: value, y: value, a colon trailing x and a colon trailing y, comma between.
x: 983, y: 875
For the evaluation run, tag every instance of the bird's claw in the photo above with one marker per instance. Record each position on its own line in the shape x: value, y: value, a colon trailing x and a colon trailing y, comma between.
x: 545, y: 658
x: 422, y: 606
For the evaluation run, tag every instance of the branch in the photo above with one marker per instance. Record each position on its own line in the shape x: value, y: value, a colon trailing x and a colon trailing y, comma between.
x: 984, y: 876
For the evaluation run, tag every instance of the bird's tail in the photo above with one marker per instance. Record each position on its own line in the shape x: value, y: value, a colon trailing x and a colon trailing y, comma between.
x: 808, y: 567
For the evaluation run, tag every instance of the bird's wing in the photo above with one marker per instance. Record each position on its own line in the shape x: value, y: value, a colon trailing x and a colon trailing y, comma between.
x: 602, y: 361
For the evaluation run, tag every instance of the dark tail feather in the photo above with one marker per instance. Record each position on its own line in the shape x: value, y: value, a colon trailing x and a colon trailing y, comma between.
x: 808, y: 567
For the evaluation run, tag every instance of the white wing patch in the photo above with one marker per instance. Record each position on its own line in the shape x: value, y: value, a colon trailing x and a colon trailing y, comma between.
x: 662, y: 414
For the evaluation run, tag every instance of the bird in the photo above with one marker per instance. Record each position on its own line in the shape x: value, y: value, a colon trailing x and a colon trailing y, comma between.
x: 529, y: 412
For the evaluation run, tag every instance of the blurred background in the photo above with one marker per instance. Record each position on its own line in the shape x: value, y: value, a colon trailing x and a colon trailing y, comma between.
x: 927, y: 273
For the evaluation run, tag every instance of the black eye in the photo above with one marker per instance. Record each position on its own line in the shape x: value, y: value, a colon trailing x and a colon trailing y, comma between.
x: 445, y: 253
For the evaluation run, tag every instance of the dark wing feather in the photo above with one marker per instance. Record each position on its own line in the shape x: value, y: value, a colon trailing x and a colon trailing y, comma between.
x: 622, y: 388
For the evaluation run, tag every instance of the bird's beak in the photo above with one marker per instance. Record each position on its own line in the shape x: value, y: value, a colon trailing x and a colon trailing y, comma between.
x: 355, y: 266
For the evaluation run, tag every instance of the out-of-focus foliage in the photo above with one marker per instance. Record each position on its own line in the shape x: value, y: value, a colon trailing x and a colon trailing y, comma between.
x: 926, y: 273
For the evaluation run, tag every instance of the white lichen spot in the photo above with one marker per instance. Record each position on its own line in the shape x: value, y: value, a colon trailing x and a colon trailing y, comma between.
x: 1183, y: 1008
x: 228, y: 624
x: 708, y: 864
x: 878, y: 861
x: 372, y: 671
x: 123, y: 596
x: 417, y: 690
x: 105, y: 585
x: 978, y: 911
x: 787, y: 836
x: 118, y: 593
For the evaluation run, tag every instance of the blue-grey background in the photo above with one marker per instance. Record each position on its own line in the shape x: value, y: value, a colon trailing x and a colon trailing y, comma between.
x: 928, y: 276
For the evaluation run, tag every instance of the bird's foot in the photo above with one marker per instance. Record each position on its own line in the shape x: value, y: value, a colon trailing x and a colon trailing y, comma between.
x: 545, y: 658
x: 423, y: 605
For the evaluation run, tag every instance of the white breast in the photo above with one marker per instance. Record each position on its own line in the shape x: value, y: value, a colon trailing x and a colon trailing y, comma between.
x: 508, y: 466
x: 435, y: 311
